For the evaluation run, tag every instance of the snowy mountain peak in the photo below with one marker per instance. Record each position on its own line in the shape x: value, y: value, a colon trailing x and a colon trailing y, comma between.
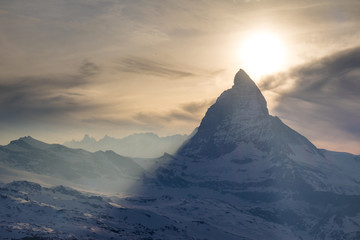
x: 28, y: 142
x: 245, y: 96
x: 89, y: 140
x: 27, y: 139
x: 240, y: 116
x: 241, y: 77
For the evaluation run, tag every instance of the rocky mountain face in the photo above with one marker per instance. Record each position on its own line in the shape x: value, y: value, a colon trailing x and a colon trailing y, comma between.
x: 244, y: 174
x: 240, y: 115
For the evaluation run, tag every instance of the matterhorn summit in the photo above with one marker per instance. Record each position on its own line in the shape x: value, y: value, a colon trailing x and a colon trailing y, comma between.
x: 240, y: 115
x: 247, y: 96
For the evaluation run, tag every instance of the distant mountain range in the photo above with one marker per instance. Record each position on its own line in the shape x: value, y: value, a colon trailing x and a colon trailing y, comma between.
x: 243, y: 174
x: 28, y: 158
x: 143, y: 145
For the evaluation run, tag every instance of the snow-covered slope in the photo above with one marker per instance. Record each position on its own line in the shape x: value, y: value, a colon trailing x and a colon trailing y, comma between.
x: 30, y: 211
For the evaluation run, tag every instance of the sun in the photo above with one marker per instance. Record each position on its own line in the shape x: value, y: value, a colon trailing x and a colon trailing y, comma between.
x: 262, y: 53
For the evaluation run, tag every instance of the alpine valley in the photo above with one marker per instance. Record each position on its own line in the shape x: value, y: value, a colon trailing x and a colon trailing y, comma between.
x: 242, y: 174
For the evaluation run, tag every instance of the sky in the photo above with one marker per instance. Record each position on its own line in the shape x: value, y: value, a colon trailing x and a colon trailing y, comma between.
x: 117, y: 67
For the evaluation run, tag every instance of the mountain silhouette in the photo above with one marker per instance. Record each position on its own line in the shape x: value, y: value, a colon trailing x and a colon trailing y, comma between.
x: 240, y: 114
x: 144, y: 145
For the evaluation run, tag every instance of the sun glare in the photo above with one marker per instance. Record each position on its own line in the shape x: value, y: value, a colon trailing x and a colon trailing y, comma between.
x: 262, y: 53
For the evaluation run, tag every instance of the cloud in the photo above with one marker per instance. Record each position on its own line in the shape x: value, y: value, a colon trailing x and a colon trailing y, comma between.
x: 321, y: 97
x: 187, y: 113
x: 89, y: 68
x: 110, y: 121
x: 197, y: 107
x: 332, y: 76
x: 25, y: 99
x: 145, y: 66
x: 191, y: 112
x: 159, y: 119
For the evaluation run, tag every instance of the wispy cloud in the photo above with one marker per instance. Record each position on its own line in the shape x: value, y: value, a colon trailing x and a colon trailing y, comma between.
x: 187, y: 113
x: 89, y: 68
x: 161, y: 119
x: 197, y: 107
x: 45, y: 97
x: 324, y: 95
x: 145, y: 66
x: 335, y: 74
x: 191, y: 112
x: 110, y: 121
